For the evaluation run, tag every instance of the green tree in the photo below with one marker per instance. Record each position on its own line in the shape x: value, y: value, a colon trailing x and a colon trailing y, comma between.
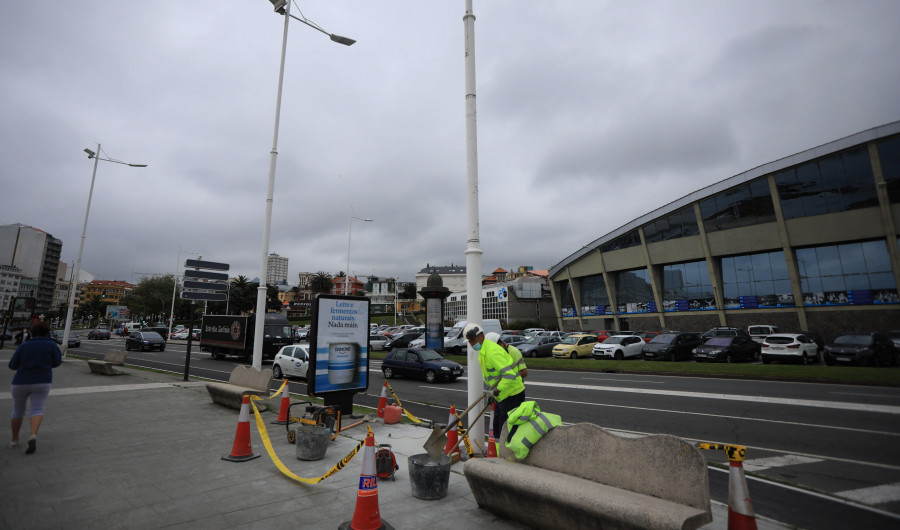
x: 272, y: 301
x: 241, y: 296
x: 152, y: 297
x: 321, y: 283
x: 408, y: 291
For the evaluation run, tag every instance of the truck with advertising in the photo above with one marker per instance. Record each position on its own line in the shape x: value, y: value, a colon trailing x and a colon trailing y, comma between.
x: 232, y: 335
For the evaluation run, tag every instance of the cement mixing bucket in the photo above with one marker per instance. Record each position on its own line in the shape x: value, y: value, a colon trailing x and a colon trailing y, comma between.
x: 311, y: 441
x: 429, y: 477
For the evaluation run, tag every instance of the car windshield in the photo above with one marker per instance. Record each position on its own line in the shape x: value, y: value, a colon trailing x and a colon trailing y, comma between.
x: 613, y: 340
x: 534, y: 340
x: 665, y: 338
x: 863, y: 340
x: 430, y: 355
x: 277, y: 330
x: 719, y: 341
x: 572, y: 339
x: 779, y: 339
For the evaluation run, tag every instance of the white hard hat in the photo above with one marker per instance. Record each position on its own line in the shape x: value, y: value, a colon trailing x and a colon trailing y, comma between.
x: 471, y: 331
x: 493, y: 336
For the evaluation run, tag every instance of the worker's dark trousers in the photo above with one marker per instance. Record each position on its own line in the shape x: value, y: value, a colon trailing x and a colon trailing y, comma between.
x: 503, y: 408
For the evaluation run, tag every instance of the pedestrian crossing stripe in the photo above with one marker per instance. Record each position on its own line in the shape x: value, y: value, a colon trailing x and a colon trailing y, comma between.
x: 880, y: 494
x: 759, y: 464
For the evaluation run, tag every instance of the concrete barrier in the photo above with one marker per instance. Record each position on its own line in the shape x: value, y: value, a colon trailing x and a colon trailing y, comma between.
x: 105, y: 366
x: 582, y: 476
x: 243, y: 380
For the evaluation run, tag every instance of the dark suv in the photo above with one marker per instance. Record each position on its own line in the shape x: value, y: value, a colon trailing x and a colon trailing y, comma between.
x: 727, y: 349
x: 874, y: 349
x: 672, y: 346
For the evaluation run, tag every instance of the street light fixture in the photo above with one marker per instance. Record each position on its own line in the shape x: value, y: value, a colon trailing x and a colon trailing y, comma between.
x: 282, y: 7
x: 350, y: 231
x: 74, y: 285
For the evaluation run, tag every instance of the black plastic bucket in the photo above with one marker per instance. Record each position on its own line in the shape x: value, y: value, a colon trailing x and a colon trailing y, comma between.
x: 428, y: 477
x: 311, y: 441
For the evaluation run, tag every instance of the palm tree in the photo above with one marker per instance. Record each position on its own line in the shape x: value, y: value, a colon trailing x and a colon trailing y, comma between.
x: 321, y: 283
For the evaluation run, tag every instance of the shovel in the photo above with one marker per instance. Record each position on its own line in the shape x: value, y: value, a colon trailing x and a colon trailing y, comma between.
x: 438, y: 439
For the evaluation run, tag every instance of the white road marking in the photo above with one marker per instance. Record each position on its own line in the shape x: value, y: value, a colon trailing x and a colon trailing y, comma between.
x: 873, y: 495
x: 95, y: 389
x: 624, y: 380
x: 759, y: 464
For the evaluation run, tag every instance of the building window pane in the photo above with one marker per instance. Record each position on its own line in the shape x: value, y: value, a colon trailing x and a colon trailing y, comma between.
x: 634, y: 294
x: 761, y: 281
x: 593, y: 296
x: 877, y: 258
x: 847, y: 274
x: 687, y: 287
x: 889, y: 154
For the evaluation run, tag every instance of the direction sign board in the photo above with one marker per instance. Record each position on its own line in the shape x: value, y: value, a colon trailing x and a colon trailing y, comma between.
x: 204, y: 275
x: 205, y: 286
x: 210, y: 265
x: 196, y: 295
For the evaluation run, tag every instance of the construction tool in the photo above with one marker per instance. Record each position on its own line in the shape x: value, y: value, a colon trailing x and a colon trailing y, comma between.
x: 438, y: 439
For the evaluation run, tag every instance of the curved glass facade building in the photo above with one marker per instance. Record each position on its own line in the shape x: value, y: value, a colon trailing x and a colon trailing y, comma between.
x: 805, y: 243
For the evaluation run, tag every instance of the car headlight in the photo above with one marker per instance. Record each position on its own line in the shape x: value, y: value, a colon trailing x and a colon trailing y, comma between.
x: 694, y: 350
x: 445, y: 369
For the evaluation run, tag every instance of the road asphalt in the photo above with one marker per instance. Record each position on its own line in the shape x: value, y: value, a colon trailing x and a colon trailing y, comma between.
x: 143, y: 450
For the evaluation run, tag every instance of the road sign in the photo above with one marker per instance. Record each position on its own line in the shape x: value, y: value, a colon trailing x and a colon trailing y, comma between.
x: 211, y: 265
x: 205, y: 286
x: 203, y: 275
x: 211, y: 297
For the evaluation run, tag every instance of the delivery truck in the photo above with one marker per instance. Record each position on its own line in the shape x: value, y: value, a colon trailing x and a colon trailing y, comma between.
x: 233, y: 335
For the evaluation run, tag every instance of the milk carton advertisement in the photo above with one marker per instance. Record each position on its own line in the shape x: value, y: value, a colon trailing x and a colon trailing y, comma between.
x: 340, y: 342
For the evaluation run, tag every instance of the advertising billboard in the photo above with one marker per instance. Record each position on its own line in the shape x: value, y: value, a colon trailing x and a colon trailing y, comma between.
x: 340, y: 340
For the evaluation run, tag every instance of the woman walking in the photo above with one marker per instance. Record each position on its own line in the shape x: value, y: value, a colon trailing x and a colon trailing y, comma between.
x: 33, y: 362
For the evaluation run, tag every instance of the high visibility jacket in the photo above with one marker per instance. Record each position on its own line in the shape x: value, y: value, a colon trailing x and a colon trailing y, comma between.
x: 497, y: 364
x: 516, y: 357
x: 530, y: 425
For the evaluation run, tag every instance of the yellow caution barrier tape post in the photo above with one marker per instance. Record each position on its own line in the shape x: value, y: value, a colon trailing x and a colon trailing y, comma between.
x: 408, y: 414
x: 735, y: 453
x: 261, y: 427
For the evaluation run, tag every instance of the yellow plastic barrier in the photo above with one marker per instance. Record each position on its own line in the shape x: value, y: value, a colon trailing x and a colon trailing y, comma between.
x: 735, y: 453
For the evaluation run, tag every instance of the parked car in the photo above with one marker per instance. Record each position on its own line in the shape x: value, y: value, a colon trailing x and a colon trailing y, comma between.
x: 291, y: 361
x: 727, y: 349
x: 301, y: 333
x: 815, y: 337
x: 515, y: 340
x: 724, y: 332
x: 760, y: 332
x: 533, y: 331
x: 98, y: 334
x: 554, y: 333
x: 377, y: 342
x: 418, y: 343
x: 870, y: 348
x: 420, y: 363
x: 145, y: 340
x: 574, y: 346
x: 183, y: 334
x: 74, y: 341
x: 895, y: 339
x: 619, y: 347
x: 402, y: 341
x: 648, y: 335
x: 789, y: 347
x: 671, y: 346
x: 513, y: 332
x: 537, y: 346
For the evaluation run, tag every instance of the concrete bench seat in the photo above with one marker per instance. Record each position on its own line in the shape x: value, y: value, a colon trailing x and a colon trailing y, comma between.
x: 582, y: 476
x: 105, y: 366
x: 243, y: 380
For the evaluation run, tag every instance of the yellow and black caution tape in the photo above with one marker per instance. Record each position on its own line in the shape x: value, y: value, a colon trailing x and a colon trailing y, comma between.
x: 735, y: 453
x: 408, y: 413
x: 261, y: 427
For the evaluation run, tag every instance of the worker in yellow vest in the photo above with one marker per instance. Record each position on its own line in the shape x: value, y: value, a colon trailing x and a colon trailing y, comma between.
x: 513, y: 352
x: 496, y: 365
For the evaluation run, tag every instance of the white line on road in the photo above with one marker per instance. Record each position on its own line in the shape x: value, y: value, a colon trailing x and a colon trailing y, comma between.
x: 874, y: 495
x: 624, y: 380
x: 93, y: 389
x: 759, y: 464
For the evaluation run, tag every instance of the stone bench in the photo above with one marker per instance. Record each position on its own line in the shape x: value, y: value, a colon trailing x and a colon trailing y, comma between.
x: 243, y: 380
x: 582, y: 476
x: 105, y: 366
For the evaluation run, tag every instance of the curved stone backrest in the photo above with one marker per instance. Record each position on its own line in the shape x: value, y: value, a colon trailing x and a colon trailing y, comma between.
x: 250, y: 377
x: 661, y: 465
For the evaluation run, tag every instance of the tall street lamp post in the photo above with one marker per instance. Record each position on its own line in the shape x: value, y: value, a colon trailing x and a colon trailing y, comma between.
x: 350, y: 231
x: 282, y: 7
x: 74, y: 286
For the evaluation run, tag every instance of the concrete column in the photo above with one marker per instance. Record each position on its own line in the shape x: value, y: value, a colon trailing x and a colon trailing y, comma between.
x: 716, y: 283
x: 884, y: 203
x: 790, y: 257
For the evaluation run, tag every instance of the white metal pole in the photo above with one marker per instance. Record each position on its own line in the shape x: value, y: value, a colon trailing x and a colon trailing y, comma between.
x: 473, y: 252
x: 68, y: 328
x: 259, y: 326
x: 347, y: 273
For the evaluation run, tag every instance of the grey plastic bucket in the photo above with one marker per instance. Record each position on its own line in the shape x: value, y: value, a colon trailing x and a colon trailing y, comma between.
x: 429, y: 477
x: 311, y: 442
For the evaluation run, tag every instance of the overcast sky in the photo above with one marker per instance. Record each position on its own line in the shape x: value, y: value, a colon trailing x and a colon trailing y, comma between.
x: 590, y: 114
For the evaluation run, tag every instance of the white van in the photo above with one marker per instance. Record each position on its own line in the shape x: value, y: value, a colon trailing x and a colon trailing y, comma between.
x: 456, y: 344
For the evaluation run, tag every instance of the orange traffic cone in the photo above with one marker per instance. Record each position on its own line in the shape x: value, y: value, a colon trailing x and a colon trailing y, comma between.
x: 492, y: 442
x: 740, y: 509
x: 383, y: 401
x: 366, y: 516
x: 283, y: 418
x: 241, y: 450
x: 453, y: 433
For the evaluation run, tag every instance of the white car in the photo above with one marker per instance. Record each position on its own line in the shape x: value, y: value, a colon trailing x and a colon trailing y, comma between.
x: 377, y: 342
x: 792, y: 347
x: 619, y: 347
x: 291, y: 361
